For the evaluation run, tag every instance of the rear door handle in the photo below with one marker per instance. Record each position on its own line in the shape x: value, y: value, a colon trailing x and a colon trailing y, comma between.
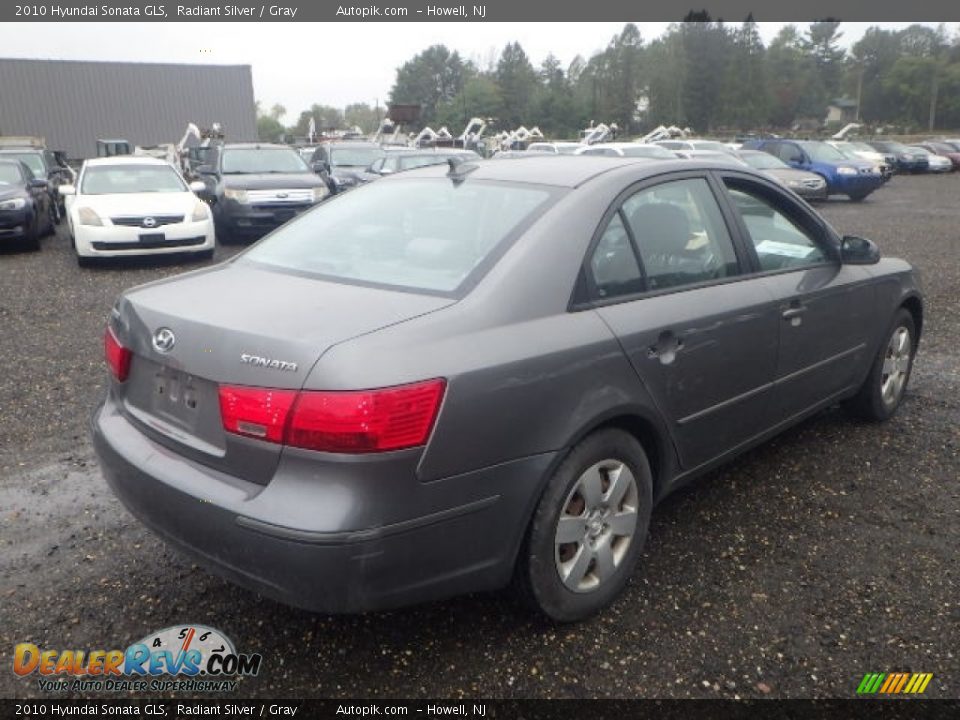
x: 794, y: 312
x: 666, y: 348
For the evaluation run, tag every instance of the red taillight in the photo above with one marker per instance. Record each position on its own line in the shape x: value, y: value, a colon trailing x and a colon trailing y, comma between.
x: 117, y: 356
x: 344, y: 422
x: 365, y: 421
x: 256, y: 412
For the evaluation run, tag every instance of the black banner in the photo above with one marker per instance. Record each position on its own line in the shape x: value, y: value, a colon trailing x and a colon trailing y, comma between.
x: 469, y: 11
x: 483, y: 709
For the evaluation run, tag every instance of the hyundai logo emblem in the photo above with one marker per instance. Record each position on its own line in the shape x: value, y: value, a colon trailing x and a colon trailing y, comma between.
x: 164, y: 340
x: 149, y: 222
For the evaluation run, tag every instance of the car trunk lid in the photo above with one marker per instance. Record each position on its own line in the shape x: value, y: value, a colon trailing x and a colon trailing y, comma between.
x: 237, y: 324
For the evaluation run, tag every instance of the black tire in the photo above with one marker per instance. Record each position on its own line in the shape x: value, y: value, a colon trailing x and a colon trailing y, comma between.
x: 204, y: 254
x: 870, y: 403
x: 51, y: 221
x: 858, y: 197
x: 538, y: 573
x: 84, y: 261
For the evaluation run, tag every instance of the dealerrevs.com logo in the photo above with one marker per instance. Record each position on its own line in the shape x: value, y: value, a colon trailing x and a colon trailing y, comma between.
x: 191, y: 658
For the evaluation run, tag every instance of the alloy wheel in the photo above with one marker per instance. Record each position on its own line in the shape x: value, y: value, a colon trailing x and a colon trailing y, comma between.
x: 896, y: 366
x: 596, y: 526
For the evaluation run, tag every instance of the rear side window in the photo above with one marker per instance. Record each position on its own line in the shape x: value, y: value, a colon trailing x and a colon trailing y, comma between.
x: 426, y: 234
x: 614, y: 264
x: 680, y: 234
x: 781, y: 242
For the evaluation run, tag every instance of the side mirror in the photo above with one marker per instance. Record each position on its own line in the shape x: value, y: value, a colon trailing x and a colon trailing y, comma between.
x: 67, y: 190
x: 858, y: 251
x: 197, y: 187
x: 40, y: 183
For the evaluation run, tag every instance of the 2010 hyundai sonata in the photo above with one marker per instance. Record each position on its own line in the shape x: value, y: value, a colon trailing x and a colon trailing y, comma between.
x: 455, y: 377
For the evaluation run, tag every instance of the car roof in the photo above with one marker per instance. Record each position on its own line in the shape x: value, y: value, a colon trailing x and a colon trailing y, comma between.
x: 572, y: 171
x: 429, y: 151
x: 248, y: 145
x: 10, y: 162
x: 350, y: 143
x: 21, y: 149
x: 126, y: 160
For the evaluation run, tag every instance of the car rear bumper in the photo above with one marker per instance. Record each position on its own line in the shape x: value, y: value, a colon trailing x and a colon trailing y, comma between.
x: 287, y: 540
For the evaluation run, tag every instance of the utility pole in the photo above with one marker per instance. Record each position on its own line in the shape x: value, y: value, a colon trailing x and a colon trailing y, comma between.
x: 934, y: 90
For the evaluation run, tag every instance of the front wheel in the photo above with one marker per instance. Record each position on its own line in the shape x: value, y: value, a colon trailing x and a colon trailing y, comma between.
x: 883, y: 390
x: 589, y: 527
x: 858, y: 197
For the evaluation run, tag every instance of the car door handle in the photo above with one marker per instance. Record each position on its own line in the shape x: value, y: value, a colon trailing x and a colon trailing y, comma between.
x: 794, y: 312
x: 666, y: 348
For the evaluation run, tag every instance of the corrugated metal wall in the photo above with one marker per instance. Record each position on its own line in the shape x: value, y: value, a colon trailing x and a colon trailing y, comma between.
x: 72, y: 104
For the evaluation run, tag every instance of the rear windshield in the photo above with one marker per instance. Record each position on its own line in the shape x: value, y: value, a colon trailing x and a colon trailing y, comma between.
x: 424, y: 234
x: 120, y: 179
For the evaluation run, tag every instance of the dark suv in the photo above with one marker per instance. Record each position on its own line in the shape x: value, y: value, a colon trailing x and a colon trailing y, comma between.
x: 43, y: 164
x: 344, y: 163
x: 254, y: 188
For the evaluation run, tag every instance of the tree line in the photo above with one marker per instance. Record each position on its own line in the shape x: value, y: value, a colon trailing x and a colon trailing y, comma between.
x: 707, y: 75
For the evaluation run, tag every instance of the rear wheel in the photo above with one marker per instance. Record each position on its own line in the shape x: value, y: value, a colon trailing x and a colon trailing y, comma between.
x: 858, y: 197
x: 589, y: 527
x: 883, y: 390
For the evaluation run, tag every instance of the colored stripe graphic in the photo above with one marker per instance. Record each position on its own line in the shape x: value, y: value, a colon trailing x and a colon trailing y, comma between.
x: 894, y: 683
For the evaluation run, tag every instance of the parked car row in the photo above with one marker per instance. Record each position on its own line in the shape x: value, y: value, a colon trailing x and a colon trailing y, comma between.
x: 129, y: 205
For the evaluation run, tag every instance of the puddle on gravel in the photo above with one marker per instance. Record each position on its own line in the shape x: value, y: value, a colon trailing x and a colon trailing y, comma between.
x: 43, y: 507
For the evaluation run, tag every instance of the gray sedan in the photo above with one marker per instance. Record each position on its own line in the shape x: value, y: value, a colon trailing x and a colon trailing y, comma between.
x: 460, y: 376
x: 807, y: 185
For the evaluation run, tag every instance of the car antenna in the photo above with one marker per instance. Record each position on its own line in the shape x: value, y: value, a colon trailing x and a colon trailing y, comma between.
x: 459, y: 169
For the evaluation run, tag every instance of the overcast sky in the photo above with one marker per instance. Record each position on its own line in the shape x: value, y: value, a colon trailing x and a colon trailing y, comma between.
x: 298, y: 64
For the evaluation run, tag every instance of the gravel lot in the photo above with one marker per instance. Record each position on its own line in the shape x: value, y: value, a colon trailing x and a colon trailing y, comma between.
x: 826, y: 554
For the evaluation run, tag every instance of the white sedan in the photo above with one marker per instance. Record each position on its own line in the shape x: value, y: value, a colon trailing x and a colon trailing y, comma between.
x: 136, y: 206
x: 936, y: 163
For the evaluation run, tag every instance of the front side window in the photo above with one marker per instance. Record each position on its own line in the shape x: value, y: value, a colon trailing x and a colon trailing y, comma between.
x: 413, y: 233
x: 781, y: 243
x: 122, y: 179
x: 680, y: 234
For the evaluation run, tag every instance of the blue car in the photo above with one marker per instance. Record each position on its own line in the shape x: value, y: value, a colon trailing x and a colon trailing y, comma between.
x: 853, y: 178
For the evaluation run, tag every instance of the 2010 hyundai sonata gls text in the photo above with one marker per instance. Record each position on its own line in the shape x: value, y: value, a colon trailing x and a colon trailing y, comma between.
x: 458, y: 376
